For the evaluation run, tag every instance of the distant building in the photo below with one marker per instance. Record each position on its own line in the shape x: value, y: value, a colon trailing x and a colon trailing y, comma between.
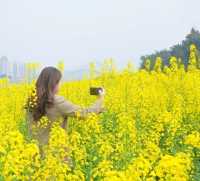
x: 18, y: 71
x: 21, y: 71
x: 4, y: 66
x: 14, y: 72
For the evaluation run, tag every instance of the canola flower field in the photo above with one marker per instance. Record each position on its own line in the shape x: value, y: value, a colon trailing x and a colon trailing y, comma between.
x: 150, y: 130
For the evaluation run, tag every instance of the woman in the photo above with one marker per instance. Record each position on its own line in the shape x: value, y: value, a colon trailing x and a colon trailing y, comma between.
x: 53, y: 106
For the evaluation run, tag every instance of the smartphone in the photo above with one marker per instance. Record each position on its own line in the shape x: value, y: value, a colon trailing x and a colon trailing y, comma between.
x: 95, y: 90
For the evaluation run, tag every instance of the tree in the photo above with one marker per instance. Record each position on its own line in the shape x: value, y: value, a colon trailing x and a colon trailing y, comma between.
x: 181, y: 50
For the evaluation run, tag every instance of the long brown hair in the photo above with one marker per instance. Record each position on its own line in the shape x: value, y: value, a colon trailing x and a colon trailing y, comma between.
x: 45, y: 84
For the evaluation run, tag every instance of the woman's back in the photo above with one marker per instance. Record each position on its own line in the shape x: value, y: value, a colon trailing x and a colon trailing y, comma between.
x: 40, y: 130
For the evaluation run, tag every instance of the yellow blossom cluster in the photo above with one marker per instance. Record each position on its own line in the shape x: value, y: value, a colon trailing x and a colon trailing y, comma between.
x: 150, y: 130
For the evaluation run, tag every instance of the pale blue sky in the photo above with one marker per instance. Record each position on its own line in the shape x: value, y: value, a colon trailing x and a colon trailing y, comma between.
x: 86, y: 30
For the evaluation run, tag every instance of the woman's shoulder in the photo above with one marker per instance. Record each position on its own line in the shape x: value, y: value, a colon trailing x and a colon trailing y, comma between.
x: 58, y: 99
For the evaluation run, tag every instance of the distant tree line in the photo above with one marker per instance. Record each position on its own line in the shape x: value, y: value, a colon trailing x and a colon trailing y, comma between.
x: 180, y: 51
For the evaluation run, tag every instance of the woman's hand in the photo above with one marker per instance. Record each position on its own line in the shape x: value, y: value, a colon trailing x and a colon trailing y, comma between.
x: 101, y: 93
x: 101, y: 98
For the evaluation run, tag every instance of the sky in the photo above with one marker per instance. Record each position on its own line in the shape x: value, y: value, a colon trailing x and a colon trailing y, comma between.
x: 83, y: 31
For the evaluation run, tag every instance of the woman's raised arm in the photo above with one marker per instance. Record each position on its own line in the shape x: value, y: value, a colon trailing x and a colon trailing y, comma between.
x: 67, y: 108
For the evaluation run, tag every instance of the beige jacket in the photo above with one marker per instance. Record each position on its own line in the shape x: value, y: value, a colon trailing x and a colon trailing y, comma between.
x: 62, y: 109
